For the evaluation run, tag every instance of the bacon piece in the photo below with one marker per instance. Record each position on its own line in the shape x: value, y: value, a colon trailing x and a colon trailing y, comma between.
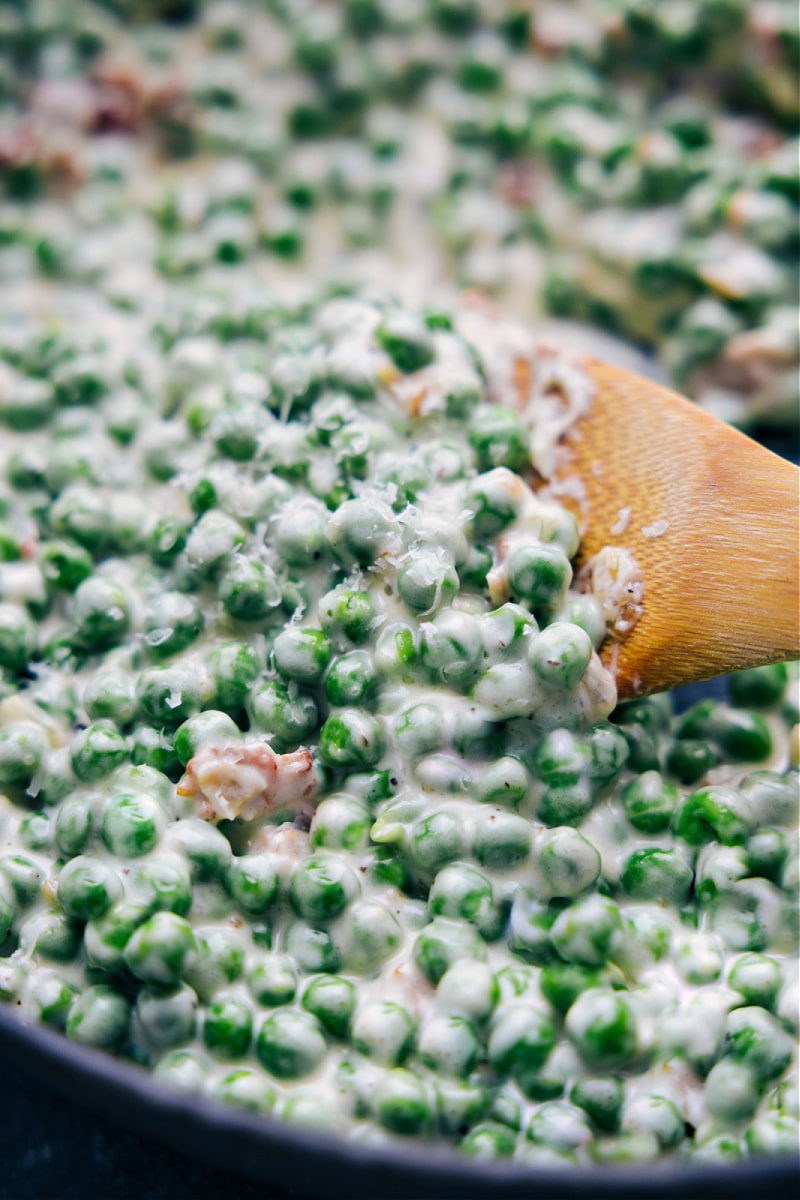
x: 249, y: 780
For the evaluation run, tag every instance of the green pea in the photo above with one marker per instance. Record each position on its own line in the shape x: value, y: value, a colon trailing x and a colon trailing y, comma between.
x: 158, y: 949
x: 182, y: 1069
x: 656, y: 1116
x: 302, y: 654
x: 656, y: 874
x: 688, y: 761
x: 340, y: 823
x: 351, y: 738
x: 760, y: 687
x: 132, y: 824
x: 585, y: 932
x: 167, y: 540
x: 99, y: 1017
x: 757, y: 1040
x: 520, y: 1041
x: 172, y: 624
x: 406, y: 340
x: 757, y: 978
x: 290, y: 1044
x: 436, y: 840
x: 460, y: 890
x: 283, y: 712
x: 100, y: 613
x: 299, y: 533
x: 601, y: 1098
x: 468, y: 989
x: 209, y: 728
x: 444, y: 942
x: 449, y: 1043
x: 649, y: 802
x: 65, y: 565
x: 17, y: 637
x: 400, y: 1103
x: 489, y: 1141
x: 312, y: 949
x: 371, y: 935
x: 731, y: 1091
x: 427, y: 581
x: 321, y: 887
x: 347, y: 615
x: 168, y: 695
x: 164, y: 884
x: 87, y: 888
x: 212, y: 542
x: 503, y: 781
x: 272, y: 981
x: 567, y: 862
x: 714, y: 812
x: 52, y: 997
x: 252, y: 881
x: 233, y: 668
x: 246, y: 1090
x: 560, y: 655
x: 215, y: 960
x: 23, y: 749
x: 109, y: 696
x: 228, y: 1027
x: 80, y: 514
x: 24, y: 875
x: 772, y: 1136
x: 451, y: 649
x: 360, y: 531
x: 602, y: 1027
x: 249, y: 589
x: 97, y: 750
x: 331, y: 999
x: 494, y: 499
x: 499, y: 437
x: 36, y: 831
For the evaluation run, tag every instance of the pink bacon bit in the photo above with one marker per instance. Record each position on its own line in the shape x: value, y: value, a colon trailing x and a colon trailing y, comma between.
x: 249, y: 780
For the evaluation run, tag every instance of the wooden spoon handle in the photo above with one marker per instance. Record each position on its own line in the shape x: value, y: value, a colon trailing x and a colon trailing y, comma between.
x: 711, y: 518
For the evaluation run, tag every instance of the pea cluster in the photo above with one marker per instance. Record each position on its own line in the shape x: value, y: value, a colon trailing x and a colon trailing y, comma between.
x: 498, y: 918
x: 313, y: 792
x: 616, y: 163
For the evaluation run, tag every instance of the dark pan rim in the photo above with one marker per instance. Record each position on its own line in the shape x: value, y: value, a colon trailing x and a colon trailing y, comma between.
x: 313, y: 1164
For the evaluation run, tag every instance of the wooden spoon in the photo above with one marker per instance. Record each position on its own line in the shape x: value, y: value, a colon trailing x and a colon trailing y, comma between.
x: 712, y: 520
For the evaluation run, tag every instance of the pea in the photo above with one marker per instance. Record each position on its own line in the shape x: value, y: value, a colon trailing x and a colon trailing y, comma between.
x: 460, y: 890
x: 302, y: 654
x: 331, y: 999
x: 209, y: 728
x: 132, y: 824
x: 100, y: 613
x: 657, y: 874
x: 340, y: 823
x: 109, y: 696
x: 351, y: 738
x: 347, y: 615
x: 520, y: 1040
x: 182, y: 1069
x: 321, y: 887
x: 499, y: 438
x: 164, y: 884
x: 168, y: 695
x: 228, y: 1027
x: 567, y: 862
x: 158, y: 949
x: 400, y: 1103
x: 87, y: 888
x: 290, y: 1044
x: 65, y: 565
x: 272, y: 980
x: 716, y: 811
x: 283, y: 712
x: 313, y: 949
x: 757, y: 979
x: 97, y: 750
x: 489, y: 1140
x: 427, y: 581
x: 99, y: 1017
x: 601, y: 1098
x: 24, y: 876
x: 602, y: 1027
x: 172, y: 624
x: 649, y: 802
x: 252, y: 881
x: 370, y: 936
x: 233, y: 668
x: 444, y: 942
x: 52, y: 998
x: 406, y: 340
x: 249, y: 589
x: 215, y: 959
x: 212, y: 542
x: 17, y: 638
x: 246, y: 1090
x: 23, y: 748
